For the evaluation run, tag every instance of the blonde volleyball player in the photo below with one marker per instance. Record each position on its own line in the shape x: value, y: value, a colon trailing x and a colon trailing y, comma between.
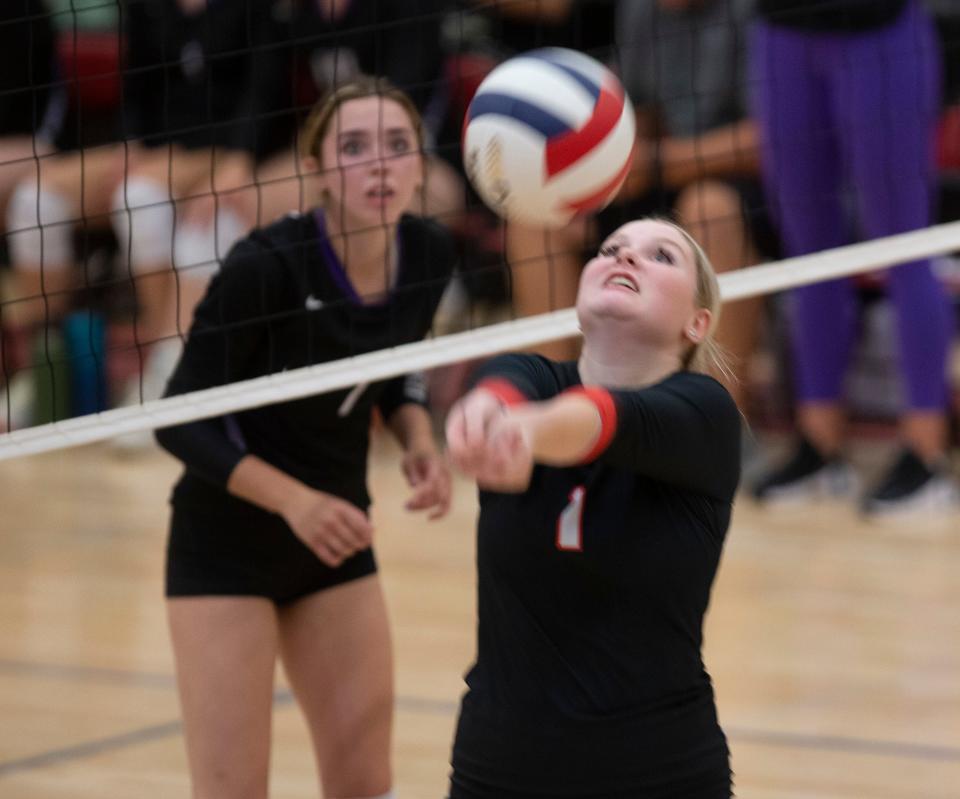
x: 606, y: 491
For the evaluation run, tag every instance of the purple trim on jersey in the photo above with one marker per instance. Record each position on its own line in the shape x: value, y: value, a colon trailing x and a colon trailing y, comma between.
x: 533, y: 116
x: 858, y: 111
x: 336, y: 270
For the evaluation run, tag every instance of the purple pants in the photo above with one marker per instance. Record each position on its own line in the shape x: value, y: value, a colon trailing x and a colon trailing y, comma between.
x: 847, y: 124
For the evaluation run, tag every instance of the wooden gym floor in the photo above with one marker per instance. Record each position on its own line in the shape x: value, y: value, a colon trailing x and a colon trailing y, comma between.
x: 834, y: 644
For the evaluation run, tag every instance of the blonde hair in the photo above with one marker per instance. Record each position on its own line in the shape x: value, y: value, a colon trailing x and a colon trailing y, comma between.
x: 321, y: 117
x: 705, y: 355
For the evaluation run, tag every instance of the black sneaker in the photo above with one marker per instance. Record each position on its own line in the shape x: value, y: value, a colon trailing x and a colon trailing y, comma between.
x: 805, y: 476
x: 910, y: 486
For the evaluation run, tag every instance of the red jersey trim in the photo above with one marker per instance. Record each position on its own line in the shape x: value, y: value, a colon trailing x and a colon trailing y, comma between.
x: 607, y: 408
x: 504, y: 390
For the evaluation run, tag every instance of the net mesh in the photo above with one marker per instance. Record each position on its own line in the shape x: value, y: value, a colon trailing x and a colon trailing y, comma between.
x: 140, y: 143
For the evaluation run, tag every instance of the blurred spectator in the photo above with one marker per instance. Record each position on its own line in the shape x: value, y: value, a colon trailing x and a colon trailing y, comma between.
x: 681, y: 64
x: 187, y: 134
x: 32, y: 108
x: 32, y: 104
x: 847, y: 97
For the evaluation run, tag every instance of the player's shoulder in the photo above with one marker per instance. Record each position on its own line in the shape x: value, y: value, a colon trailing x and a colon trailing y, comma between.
x: 293, y: 227
x: 704, y: 390
x: 532, y: 371
x: 281, y: 240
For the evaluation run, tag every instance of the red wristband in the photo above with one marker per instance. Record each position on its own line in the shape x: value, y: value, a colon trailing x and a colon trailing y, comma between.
x: 607, y: 408
x: 503, y: 390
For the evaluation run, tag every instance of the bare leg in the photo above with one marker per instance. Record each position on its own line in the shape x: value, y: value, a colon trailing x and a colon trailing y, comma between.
x: 55, y: 195
x: 925, y: 432
x: 712, y: 212
x: 823, y: 423
x: 337, y: 653
x: 226, y: 649
x: 545, y: 273
x: 18, y: 159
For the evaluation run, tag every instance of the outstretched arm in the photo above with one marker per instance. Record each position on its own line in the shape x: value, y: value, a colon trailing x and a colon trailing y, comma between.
x: 498, y: 444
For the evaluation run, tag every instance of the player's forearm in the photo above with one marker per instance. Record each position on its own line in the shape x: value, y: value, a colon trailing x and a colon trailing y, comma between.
x: 561, y: 431
x: 731, y: 150
x: 410, y: 425
x: 266, y: 486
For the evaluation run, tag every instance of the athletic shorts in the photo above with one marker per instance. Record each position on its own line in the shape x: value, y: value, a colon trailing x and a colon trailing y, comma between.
x: 211, y: 556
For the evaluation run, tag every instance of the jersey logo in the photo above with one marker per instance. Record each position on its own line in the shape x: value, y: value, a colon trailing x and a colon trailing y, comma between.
x: 313, y: 303
x: 570, y: 522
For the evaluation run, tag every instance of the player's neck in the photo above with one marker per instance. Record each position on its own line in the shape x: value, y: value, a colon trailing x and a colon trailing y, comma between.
x: 613, y: 363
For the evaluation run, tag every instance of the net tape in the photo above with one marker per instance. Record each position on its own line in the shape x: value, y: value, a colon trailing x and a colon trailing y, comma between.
x: 442, y: 350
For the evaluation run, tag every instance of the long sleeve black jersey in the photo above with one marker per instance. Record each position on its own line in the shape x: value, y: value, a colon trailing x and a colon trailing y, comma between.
x: 592, y: 589
x: 281, y: 301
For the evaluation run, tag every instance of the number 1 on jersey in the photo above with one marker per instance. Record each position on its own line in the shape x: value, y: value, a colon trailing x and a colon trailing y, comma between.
x: 570, y: 522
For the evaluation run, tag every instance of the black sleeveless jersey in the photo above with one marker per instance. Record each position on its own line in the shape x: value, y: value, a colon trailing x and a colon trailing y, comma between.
x: 281, y: 301
x: 592, y: 588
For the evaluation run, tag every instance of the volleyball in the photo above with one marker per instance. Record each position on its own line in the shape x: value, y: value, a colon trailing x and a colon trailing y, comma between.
x: 548, y: 135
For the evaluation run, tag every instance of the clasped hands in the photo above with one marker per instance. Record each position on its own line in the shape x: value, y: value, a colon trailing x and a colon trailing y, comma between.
x: 490, y: 442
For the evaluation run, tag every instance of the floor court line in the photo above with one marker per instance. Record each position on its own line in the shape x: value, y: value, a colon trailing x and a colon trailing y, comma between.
x: 414, y: 704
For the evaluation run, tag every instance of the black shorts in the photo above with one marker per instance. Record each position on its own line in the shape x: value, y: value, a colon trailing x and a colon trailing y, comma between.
x: 661, y: 202
x: 209, y: 555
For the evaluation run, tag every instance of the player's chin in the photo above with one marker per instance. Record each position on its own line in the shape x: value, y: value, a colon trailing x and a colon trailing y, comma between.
x: 619, y: 306
x: 385, y: 210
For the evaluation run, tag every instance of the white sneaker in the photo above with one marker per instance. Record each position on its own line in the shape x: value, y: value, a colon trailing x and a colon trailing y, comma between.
x: 806, y: 476
x: 910, y: 488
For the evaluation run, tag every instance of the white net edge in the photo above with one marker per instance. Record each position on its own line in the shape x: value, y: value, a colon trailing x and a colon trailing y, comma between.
x: 294, y: 384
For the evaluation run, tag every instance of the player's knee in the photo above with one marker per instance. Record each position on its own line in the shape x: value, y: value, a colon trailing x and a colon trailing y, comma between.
x: 199, y: 250
x: 39, y: 227
x: 709, y: 204
x: 142, y: 215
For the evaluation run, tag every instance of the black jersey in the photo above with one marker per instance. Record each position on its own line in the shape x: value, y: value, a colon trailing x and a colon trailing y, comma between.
x: 593, y: 585
x: 281, y: 301
x: 835, y: 15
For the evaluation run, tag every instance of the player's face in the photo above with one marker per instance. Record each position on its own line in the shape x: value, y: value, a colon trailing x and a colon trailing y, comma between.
x: 644, y: 276
x: 372, y: 165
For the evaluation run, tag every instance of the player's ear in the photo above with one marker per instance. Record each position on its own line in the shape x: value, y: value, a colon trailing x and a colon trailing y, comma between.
x: 698, y: 326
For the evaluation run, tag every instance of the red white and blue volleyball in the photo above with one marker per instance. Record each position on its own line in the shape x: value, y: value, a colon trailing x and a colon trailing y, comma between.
x: 548, y: 135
